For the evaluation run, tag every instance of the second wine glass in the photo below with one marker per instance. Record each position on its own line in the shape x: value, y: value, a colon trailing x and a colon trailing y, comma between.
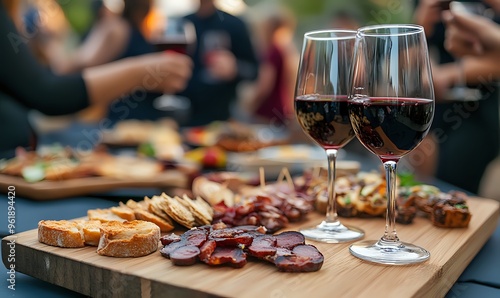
x: 321, y: 109
x: 391, y: 108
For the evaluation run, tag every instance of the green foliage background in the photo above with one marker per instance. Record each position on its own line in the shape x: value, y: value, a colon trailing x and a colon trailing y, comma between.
x: 314, y: 13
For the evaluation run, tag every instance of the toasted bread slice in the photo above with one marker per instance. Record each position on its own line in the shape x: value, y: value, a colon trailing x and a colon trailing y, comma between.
x: 62, y: 233
x: 103, y: 215
x: 135, y: 205
x: 91, y: 232
x: 148, y: 216
x: 128, y: 239
x: 123, y: 212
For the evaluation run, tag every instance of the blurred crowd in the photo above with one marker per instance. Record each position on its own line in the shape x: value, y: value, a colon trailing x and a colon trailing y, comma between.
x: 131, y: 61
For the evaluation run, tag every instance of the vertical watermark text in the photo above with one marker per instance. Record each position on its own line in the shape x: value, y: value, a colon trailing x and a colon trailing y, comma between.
x: 11, y: 245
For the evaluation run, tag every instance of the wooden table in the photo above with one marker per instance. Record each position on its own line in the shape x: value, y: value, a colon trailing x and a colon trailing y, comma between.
x: 342, y: 275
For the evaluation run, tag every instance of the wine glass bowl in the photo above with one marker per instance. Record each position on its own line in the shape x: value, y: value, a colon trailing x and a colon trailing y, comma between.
x: 178, y: 35
x: 322, y: 112
x: 391, y: 108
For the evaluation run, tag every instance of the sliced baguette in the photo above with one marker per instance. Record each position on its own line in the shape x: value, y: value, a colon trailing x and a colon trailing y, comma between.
x: 128, y: 239
x: 103, y: 215
x: 91, y: 232
x: 135, y: 205
x: 148, y: 216
x: 61, y: 233
x: 123, y: 212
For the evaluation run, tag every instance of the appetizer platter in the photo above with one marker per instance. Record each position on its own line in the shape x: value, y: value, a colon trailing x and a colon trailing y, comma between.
x: 62, y: 172
x: 230, y: 231
x: 89, y: 273
x: 234, y: 136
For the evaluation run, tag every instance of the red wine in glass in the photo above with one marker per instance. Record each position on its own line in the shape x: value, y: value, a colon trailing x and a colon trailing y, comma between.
x: 391, y: 127
x: 321, y: 107
x: 179, y: 46
x: 178, y: 36
x: 325, y: 119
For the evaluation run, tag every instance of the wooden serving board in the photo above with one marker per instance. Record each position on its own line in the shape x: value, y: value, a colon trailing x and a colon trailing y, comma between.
x: 50, y: 190
x: 342, y: 275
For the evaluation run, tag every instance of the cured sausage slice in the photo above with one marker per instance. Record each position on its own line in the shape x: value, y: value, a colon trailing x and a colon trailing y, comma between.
x: 303, y: 258
x: 185, y: 255
x: 263, y: 246
x: 232, y: 256
x: 168, y: 249
x: 195, y: 237
x: 207, y: 249
x: 290, y: 239
x: 167, y: 239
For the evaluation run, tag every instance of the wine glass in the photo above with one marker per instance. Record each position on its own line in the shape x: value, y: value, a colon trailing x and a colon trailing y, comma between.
x: 211, y: 44
x: 321, y: 109
x: 178, y: 35
x: 391, y: 107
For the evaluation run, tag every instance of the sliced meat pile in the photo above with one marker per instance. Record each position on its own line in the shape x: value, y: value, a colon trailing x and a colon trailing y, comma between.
x: 217, y: 245
x: 272, y: 211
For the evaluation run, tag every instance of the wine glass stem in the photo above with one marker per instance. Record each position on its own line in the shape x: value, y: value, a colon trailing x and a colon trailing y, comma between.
x: 331, y: 208
x: 390, y: 235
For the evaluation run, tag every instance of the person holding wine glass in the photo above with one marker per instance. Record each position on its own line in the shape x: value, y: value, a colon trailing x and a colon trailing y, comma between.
x: 479, y: 37
x: 391, y: 107
x: 223, y: 57
x: 459, y: 125
x: 321, y: 108
x: 115, y: 35
x: 27, y: 85
x: 470, y: 35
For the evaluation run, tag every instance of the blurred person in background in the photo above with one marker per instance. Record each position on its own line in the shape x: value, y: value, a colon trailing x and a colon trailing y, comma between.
x: 115, y: 35
x: 471, y: 35
x: 26, y: 84
x: 271, y: 100
x: 465, y: 135
x: 223, y: 57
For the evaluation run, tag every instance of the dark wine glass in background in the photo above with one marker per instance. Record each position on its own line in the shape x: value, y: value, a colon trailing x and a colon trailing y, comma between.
x: 321, y: 108
x: 391, y: 108
x: 212, y: 43
x: 178, y: 35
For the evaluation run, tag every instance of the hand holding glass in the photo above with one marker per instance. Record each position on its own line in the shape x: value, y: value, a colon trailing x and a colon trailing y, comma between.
x: 321, y: 109
x: 391, y: 107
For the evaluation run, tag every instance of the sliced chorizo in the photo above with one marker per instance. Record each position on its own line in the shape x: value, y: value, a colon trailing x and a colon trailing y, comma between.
x: 185, y: 255
x: 290, y: 239
x: 304, y: 258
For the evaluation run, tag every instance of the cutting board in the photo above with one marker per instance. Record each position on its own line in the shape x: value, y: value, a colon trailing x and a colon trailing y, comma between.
x: 342, y: 275
x: 50, y: 190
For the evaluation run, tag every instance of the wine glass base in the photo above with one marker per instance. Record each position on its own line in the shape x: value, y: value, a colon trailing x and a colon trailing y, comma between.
x: 390, y: 254
x: 332, y: 233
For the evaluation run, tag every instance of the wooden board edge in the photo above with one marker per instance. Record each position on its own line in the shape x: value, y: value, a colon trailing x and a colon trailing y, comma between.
x: 89, y: 279
x: 438, y: 286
